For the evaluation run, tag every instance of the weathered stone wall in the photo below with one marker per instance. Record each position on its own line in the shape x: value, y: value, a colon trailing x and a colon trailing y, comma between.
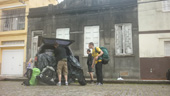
x: 76, y: 19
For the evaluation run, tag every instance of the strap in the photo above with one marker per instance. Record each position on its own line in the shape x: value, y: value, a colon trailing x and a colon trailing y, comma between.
x: 96, y: 50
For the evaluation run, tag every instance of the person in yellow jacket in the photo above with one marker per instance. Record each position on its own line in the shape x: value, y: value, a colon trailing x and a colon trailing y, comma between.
x: 97, y: 61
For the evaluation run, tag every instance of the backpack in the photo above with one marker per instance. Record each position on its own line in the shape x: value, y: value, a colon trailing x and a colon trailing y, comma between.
x: 105, y: 56
x: 28, y: 75
x: 168, y: 75
x: 48, y: 76
x: 32, y: 80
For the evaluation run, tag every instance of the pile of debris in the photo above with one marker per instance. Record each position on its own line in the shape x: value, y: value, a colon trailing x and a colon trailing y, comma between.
x: 44, y: 71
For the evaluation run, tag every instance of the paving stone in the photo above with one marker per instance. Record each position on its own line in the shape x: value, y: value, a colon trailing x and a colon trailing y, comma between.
x: 11, y: 88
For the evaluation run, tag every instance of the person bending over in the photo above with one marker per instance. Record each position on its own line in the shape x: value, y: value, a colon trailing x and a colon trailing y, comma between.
x: 97, y: 61
x: 61, y: 57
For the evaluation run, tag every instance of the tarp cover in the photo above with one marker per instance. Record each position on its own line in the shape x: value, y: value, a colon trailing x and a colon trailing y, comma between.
x: 45, y: 60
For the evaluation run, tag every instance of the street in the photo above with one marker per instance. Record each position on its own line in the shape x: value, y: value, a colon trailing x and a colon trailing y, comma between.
x: 11, y: 88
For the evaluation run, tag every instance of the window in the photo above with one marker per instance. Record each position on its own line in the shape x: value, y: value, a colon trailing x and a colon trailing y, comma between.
x: 166, y: 5
x: 167, y: 48
x: 34, y: 43
x: 123, y: 39
x: 91, y: 34
x: 63, y: 33
x: 13, y: 19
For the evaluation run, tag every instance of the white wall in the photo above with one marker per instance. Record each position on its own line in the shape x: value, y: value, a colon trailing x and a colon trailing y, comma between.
x: 152, y: 45
x: 152, y: 17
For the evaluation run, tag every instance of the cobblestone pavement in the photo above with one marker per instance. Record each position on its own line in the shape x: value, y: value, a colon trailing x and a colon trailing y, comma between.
x: 8, y: 88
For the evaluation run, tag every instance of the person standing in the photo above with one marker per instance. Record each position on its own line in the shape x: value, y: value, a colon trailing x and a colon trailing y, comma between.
x: 97, y: 61
x: 89, y: 64
x: 61, y: 57
x: 29, y: 67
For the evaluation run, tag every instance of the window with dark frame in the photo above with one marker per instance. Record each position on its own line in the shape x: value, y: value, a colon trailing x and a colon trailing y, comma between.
x: 13, y: 19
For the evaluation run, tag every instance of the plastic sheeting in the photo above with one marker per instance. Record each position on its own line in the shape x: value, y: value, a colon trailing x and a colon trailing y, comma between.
x: 48, y: 64
x: 45, y: 60
x: 48, y: 76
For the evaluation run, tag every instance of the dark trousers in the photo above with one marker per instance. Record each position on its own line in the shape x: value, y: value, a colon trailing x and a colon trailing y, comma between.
x: 98, y: 67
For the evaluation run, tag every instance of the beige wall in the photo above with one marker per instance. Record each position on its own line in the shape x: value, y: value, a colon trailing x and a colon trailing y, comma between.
x: 152, y: 45
x: 152, y: 18
x: 19, y: 34
x: 40, y: 3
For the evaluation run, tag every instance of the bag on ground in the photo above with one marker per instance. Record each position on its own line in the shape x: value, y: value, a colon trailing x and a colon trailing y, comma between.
x: 48, y: 76
x: 33, y: 80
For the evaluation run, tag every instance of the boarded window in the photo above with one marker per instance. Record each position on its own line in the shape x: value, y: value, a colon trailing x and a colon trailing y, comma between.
x: 13, y: 19
x: 63, y: 33
x: 166, y: 5
x: 123, y: 39
x: 91, y: 34
x: 167, y: 48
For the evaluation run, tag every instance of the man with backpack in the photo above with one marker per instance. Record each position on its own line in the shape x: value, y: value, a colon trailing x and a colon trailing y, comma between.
x: 97, y: 61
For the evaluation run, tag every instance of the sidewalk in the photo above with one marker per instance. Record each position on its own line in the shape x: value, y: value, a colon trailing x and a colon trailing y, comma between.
x: 106, y: 80
x: 133, y: 81
x: 10, y: 78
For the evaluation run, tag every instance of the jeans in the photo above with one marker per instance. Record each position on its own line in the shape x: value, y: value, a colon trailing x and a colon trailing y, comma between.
x: 99, y: 75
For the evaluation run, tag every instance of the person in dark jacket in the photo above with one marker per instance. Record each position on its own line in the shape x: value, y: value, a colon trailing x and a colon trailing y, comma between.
x: 89, y: 64
x: 61, y: 57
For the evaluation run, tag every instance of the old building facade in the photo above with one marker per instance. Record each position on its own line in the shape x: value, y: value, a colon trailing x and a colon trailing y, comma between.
x: 13, y: 34
x: 109, y: 23
x: 154, y: 38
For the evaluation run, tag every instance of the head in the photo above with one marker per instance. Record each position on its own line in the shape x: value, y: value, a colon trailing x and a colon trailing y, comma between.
x: 31, y: 60
x: 56, y: 45
x: 88, y: 51
x: 91, y: 45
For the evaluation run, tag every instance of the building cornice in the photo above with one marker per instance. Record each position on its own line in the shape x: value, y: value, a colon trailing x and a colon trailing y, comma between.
x: 154, y: 32
x: 18, y: 32
x: 3, y: 2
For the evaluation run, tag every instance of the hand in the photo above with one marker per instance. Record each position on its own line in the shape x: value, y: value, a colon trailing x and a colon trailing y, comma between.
x: 92, y: 65
x: 97, y: 57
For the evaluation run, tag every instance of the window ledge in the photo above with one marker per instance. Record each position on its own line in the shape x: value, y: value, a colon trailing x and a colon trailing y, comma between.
x: 13, y: 32
x: 167, y: 56
x: 4, y: 46
x: 165, y: 11
x: 125, y: 55
x: 85, y: 56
